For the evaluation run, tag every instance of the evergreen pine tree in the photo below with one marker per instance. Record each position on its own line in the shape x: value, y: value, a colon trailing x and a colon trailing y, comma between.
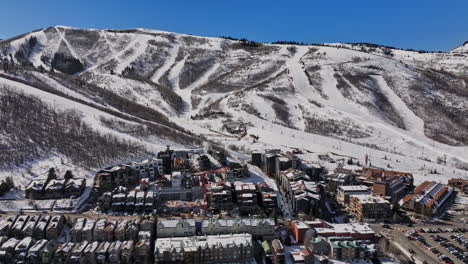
x: 51, y: 175
x: 68, y: 175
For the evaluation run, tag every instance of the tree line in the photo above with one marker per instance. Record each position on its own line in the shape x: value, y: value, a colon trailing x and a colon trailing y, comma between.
x: 32, y: 129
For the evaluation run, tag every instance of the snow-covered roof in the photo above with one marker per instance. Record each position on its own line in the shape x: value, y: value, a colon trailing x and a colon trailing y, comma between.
x: 174, y: 223
x: 92, y: 247
x: 115, y: 246
x: 305, y: 186
x: 354, y: 188
x: 244, y: 186
x: 430, y: 194
x: 300, y: 224
x: 38, y: 245
x: 103, y: 247
x: 370, y: 199
x: 75, y: 183
x: 55, y: 184
x: 81, y: 247
x: 89, y: 225
x: 358, y: 228
x: 119, y: 196
x: 24, y: 244
x: 37, y: 185
x: 242, y: 221
x: 10, y: 244
x: 193, y: 243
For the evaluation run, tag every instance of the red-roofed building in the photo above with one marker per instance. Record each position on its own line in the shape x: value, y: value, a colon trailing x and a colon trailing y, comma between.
x: 429, y: 198
x: 392, y: 185
x: 460, y: 184
x: 299, y: 229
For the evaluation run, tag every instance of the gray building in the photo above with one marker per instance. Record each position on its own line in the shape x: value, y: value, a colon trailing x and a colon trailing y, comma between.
x: 259, y: 228
x: 175, y: 228
x: 204, y: 249
x: 343, y: 192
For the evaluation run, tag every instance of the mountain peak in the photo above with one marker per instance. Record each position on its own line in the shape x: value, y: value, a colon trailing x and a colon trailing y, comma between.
x: 361, y: 94
x: 462, y: 48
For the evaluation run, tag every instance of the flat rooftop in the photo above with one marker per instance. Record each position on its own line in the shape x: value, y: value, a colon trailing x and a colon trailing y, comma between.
x: 370, y: 199
x: 354, y: 188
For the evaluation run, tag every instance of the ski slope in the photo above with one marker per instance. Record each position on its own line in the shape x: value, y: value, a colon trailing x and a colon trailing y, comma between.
x: 267, y: 87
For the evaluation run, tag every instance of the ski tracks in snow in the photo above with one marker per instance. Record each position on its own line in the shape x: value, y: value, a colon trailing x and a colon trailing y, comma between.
x: 298, y: 75
x: 139, y: 44
x: 186, y: 93
x: 122, y: 64
x: 174, y: 74
x: 413, y: 123
x: 169, y: 63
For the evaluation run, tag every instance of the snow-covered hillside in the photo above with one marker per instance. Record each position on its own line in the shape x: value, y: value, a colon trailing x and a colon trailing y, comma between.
x: 353, y: 99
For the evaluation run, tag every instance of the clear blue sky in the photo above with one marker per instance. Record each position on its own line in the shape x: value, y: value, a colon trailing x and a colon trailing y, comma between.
x: 429, y: 24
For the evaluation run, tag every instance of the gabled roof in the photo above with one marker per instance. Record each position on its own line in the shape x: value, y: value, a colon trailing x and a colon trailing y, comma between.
x: 408, y: 198
x: 421, y: 187
x: 37, y: 185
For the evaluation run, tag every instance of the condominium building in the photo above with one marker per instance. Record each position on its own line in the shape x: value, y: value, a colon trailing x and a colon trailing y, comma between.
x: 341, y: 241
x: 343, y: 192
x: 112, y: 177
x: 367, y: 207
x: 351, y: 249
x: 263, y: 228
x: 459, y: 183
x: 204, y: 249
x: 149, y: 168
x: 429, y: 198
x: 359, y: 231
x: 268, y: 197
x: 393, y: 185
x: 246, y: 196
x: 219, y: 196
x: 175, y: 228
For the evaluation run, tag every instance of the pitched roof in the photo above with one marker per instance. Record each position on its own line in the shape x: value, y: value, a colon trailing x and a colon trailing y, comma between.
x: 408, y: 197
x: 421, y: 187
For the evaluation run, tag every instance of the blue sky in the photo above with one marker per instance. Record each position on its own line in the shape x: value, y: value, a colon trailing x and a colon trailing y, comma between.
x: 429, y: 24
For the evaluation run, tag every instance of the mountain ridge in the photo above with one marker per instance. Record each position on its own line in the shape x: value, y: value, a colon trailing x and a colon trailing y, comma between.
x: 239, y: 38
x: 385, y: 100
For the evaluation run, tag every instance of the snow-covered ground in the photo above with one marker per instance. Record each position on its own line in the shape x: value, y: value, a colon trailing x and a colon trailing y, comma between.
x: 15, y: 206
x: 37, y: 168
x: 241, y: 77
x: 274, y: 136
x: 18, y: 204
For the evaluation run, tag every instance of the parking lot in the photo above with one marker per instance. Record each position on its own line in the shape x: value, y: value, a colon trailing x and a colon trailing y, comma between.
x: 427, y: 249
x: 448, y: 245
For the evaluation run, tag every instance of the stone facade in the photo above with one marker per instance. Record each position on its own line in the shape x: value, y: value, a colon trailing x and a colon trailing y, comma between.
x: 204, y: 249
x: 258, y: 228
x: 369, y: 208
x: 175, y: 228
x: 112, y: 177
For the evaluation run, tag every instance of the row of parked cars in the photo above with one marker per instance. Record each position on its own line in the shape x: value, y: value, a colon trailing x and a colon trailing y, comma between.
x: 460, y: 239
x: 451, y: 248
x: 442, y: 230
x: 414, y: 235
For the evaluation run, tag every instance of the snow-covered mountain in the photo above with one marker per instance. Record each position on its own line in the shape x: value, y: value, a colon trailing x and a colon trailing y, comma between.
x: 354, y: 99
x: 462, y: 49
